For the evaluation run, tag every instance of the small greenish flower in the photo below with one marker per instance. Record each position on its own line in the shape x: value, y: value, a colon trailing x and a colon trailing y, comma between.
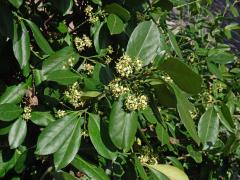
x: 74, y: 95
x: 134, y: 102
x: 117, y: 89
x: 27, y: 112
x: 60, y: 113
x: 88, y: 67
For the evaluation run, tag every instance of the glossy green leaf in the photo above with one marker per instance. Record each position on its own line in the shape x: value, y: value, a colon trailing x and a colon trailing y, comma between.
x: 148, y: 114
x: 63, y: 6
x: 9, y: 111
x: 122, y: 126
x: 157, y: 175
x: 197, y: 156
x: 54, y: 136
x: 213, y: 68
x: 164, y: 95
x: 40, y: 39
x: 100, y: 37
x: 95, y: 130
x: 17, y: 133
x: 225, y: 117
x: 221, y: 57
x: 8, y: 165
x: 140, y: 169
x: 21, y: 163
x: 117, y: 9
x: 90, y: 170
x: 61, y: 175
x: 162, y: 134
x: 208, y: 127
x: 182, y: 75
x: 144, y: 42
x: 174, y: 44
x: 16, y: 3
x: 63, y: 77
x: 5, y: 130
x: 21, y: 46
x: 42, y: 118
x: 57, y: 60
x: 69, y: 149
x: 184, y: 113
x: 91, y: 94
x: 175, y: 162
x: 13, y: 94
x: 115, y: 24
x: 170, y: 171
x: 99, y: 2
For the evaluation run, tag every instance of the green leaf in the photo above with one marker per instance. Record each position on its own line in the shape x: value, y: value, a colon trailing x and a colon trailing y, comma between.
x: 6, y: 21
x: 40, y: 39
x: 225, y: 117
x: 117, y: 9
x: 157, y: 175
x: 175, y: 162
x: 42, y: 118
x: 182, y: 75
x: 214, y: 70
x: 100, y: 37
x: 90, y: 170
x: 16, y: 3
x: 63, y: 77
x: 162, y: 134
x: 6, y: 166
x: 170, y: 171
x: 221, y: 57
x: 184, y: 113
x: 69, y: 149
x: 115, y: 24
x: 148, y: 114
x: 9, y: 111
x: 140, y: 169
x: 122, y: 126
x: 13, y: 94
x: 63, y: 6
x: 144, y: 42
x: 95, y: 130
x: 5, y: 130
x: 61, y: 175
x: 57, y: 60
x: 208, y: 127
x: 197, y: 156
x: 174, y: 44
x: 21, y: 163
x: 99, y: 2
x: 54, y: 136
x: 164, y: 95
x: 21, y: 47
x: 17, y: 133
x: 91, y: 94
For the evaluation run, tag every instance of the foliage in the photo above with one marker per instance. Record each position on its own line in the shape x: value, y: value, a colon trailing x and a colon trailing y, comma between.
x: 118, y: 90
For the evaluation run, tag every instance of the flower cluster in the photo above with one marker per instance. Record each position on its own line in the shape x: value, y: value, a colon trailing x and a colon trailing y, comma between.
x: 74, y: 95
x: 92, y: 18
x: 83, y: 42
x: 117, y: 89
x: 134, y: 102
x: 88, y: 67
x: 70, y: 63
x: 60, y: 113
x: 127, y: 66
x: 27, y: 112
